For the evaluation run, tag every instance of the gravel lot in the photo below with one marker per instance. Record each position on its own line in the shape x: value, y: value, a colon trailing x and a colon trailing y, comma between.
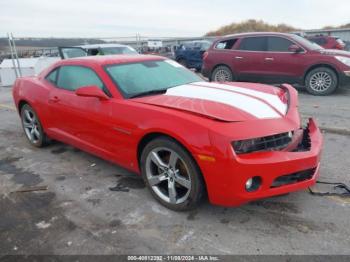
x: 78, y: 214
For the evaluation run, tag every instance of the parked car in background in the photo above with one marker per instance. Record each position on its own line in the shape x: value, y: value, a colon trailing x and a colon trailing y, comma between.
x: 190, y: 54
x: 96, y: 49
x: 328, y: 42
x: 277, y: 58
x: 165, y: 51
x: 186, y: 137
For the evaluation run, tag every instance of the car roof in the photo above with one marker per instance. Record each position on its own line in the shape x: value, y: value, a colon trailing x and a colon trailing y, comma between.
x: 109, y: 59
x: 102, y: 45
x: 255, y: 34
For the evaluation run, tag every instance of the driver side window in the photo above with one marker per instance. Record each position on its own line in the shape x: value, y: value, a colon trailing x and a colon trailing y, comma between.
x: 73, y: 77
x: 278, y: 44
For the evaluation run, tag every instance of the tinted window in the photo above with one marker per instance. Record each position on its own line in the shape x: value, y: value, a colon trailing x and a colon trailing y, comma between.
x: 135, y: 78
x: 73, y: 77
x: 52, y: 77
x: 278, y: 44
x: 227, y: 44
x: 253, y: 44
x: 93, y: 51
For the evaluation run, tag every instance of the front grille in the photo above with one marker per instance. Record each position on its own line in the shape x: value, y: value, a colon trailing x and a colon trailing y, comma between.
x: 293, y: 178
x: 267, y: 143
x: 294, y: 141
x: 274, y: 142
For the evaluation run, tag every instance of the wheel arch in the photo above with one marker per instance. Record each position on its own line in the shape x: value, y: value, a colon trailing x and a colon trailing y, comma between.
x: 333, y: 68
x: 220, y: 64
x: 147, y: 138
x: 21, y: 103
x: 154, y: 135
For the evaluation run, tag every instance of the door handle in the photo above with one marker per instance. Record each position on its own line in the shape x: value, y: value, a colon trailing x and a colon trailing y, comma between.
x: 238, y: 57
x: 269, y: 59
x: 54, y: 99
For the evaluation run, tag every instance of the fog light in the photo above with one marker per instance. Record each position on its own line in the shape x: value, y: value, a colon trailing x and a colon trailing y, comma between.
x: 249, y: 183
x: 253, y: 184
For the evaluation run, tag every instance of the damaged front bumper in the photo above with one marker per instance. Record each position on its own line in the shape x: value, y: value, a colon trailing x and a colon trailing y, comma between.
x: 280, y: 172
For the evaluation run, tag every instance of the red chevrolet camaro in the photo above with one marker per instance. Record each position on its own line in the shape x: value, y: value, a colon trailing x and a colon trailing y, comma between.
x: 235, y: 142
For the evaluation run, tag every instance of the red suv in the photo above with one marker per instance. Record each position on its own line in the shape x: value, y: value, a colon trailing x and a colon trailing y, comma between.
x: 277, y: 58
x: 328, y: 42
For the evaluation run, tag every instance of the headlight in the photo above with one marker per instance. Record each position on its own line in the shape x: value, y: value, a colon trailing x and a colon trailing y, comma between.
x: 245, y: 146
x: 343, y: 59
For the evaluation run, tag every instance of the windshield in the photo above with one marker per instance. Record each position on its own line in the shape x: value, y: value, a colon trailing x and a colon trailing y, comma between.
x: 150, y: 76
x: 119, y: 50
x: 306, y: 43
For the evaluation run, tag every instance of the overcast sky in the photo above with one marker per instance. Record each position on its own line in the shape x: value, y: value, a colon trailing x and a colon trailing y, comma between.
x: 114, y: 18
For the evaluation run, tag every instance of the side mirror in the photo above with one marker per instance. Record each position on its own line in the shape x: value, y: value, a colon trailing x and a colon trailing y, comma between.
x: 295, y: 49
x: 91, y: 91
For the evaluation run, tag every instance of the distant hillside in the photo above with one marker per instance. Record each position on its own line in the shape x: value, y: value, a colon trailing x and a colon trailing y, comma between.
x: 51, y: 42
x: 337, y: 27
x: 251, y: 26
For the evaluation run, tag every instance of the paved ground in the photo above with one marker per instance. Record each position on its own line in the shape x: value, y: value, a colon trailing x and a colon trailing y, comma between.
x: 78, y: 214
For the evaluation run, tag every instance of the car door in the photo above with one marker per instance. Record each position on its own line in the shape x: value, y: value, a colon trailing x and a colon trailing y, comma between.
x: 83, y: 120
x: 280, y: 64
x: 248, y: 58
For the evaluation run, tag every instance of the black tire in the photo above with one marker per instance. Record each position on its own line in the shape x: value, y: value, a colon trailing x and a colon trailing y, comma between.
x: 39, y: 140
x: 197, y: 188
x: 326, y: 86
x: 222, y: 74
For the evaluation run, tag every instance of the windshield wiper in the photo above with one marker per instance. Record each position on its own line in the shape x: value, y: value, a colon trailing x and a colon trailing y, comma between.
x: 148, y: 93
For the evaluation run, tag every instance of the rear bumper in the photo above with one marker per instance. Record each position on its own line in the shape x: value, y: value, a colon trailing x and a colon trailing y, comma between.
x: 226, y: 186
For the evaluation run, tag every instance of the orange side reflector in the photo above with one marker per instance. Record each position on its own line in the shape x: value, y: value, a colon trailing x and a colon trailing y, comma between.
x: 206, y: 158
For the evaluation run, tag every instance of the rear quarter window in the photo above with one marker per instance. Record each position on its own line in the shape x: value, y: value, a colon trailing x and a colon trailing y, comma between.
x: 52, y: 76
x: 226, y: 44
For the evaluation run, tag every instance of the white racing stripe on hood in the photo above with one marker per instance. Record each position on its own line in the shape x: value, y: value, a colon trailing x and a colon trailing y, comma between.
x: 273, y: 100
x: 255, y: 107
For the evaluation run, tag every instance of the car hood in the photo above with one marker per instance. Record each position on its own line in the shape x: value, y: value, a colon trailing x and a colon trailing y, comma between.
x: 224, y: 102
x: 334, y: 52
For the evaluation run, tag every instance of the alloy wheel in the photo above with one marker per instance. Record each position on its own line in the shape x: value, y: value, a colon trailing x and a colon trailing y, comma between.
x: 31, y: 126
x: 320, y: 81
x: 168, y: 175
x: 222, y: 75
